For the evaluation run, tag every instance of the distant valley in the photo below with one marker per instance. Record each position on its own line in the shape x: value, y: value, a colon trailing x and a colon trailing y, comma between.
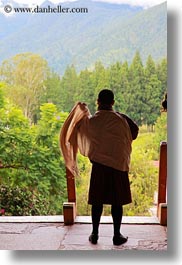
x: 107, y: 33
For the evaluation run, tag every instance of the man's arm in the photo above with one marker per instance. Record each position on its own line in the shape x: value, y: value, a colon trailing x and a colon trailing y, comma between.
x: 133, y: 126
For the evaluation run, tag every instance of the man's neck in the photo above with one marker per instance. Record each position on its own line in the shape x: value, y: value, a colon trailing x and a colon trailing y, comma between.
x: 105, y: 107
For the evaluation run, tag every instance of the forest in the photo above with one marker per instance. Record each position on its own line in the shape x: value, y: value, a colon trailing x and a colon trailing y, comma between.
x: 34, y: 103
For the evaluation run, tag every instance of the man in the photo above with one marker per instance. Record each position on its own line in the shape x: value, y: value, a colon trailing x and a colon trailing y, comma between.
x: 106, y: 139
x: 111, y: 135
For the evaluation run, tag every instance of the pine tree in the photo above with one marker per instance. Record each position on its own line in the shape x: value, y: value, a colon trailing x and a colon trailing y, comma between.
x: 86, y: 90
x: 162, y: 76
x: 100, y: 77
x: 69, y: 85
x: 152, y: 93
x: 135, y: 100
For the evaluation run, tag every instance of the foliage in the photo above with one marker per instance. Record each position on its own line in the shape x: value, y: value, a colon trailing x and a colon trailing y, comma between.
x: 21, y: 201
x: 153, y: 93
x: 1, y: 96
x: 160, y: 129
x: 38, y: 167
x: 34, y: 167
x: 52, y: 92
x: 138, y: 89
x: 25, y: 75
x: 82, y: 185
x: 30, y: 156
x: 143, y: 175
x: 135, y: 99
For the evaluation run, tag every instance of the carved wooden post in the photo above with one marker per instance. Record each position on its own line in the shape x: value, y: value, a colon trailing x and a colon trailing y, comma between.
x: 162, y: 184
x: 69, y: 208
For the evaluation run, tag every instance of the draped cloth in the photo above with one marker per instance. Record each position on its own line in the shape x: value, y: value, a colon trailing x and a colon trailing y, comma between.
x: 73, y: 138
x: 104, y: 138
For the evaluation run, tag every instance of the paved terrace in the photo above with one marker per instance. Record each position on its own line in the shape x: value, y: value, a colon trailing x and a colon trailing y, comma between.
x: 49, y: 233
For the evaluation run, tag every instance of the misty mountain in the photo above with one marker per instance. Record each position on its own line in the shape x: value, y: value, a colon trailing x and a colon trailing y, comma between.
x: 108, y: 32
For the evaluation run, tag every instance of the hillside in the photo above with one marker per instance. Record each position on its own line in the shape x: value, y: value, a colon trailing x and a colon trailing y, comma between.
x: 108, y: 32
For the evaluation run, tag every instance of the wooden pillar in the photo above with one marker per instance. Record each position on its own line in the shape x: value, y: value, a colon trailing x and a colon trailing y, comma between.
x: 70, y: 186
x: 162, y: 183
x: 69, y: 208
x: 163, y: 214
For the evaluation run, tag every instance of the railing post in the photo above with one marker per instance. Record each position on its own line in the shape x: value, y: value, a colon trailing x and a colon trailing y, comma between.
x: 69, y: 208
x: 162, y: 185
x: 70, y: 186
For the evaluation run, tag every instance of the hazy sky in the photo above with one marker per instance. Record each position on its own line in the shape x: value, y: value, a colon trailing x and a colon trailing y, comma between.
x: 145, y: 3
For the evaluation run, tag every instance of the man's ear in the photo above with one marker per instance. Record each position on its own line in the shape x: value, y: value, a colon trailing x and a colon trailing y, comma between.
x: 113, y: 102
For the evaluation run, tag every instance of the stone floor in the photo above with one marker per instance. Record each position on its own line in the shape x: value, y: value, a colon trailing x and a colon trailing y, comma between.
x: 56, y: 236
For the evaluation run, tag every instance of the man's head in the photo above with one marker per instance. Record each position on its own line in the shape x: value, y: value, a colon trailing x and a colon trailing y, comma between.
x: 106, y: 97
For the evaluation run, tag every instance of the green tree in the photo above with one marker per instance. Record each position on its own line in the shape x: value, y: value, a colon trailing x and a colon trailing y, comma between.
x: 86, y: 89
x: 162, y: 75
x: 136, y: 105
x: 49, y: 123
x: 30, y: 156
x: 47, y: 163
x: 143, y: 176
x: 25, y: 75
x: 69, y: 86
x: 160, y: 129
x: 15, y: 140
x: 124, y: 87
x: 1, y: 95
x: 152, y: 93
x: 100, y: 77
x: 82, y: 185
x: 52, y: 92
x: 116, y: 78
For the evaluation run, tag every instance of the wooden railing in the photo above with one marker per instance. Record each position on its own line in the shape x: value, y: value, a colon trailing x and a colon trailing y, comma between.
x: 69, y: 208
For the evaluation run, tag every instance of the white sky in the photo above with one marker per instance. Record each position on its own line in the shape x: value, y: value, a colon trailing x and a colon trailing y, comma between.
x: 145, y: 3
